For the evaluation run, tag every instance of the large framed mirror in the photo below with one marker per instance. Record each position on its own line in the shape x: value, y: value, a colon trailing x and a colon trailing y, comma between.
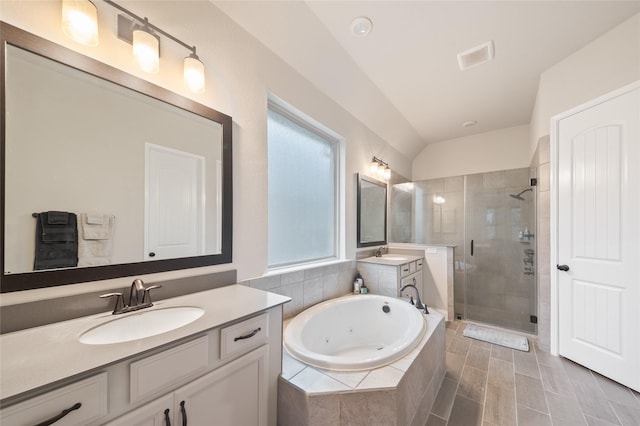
x: 126, y: 177
x: 372, y: 212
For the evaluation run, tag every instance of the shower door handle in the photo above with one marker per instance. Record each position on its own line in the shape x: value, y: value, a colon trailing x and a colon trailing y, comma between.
x: 471, y: 247
x: 564, y: 268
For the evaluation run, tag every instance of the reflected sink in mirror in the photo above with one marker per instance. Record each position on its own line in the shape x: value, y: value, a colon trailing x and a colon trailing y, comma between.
x: 140, y: 325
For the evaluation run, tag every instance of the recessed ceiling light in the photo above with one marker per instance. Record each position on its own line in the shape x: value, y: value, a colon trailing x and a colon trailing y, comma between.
x: 469, y: 123
x: 361, y: 26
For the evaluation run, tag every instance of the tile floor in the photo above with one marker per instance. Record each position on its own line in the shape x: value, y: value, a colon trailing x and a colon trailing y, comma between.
x: 489, y: 385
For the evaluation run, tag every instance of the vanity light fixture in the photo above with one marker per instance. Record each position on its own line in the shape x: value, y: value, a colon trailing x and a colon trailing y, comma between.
x: 146, y: 48
x: 380, y: 168
x: 143, y: 35
x: 80, y: 21
x: 194, y: 72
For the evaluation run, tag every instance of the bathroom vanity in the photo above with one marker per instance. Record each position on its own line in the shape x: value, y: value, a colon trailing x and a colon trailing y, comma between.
x: 386, y: 274
x: 224, y: 366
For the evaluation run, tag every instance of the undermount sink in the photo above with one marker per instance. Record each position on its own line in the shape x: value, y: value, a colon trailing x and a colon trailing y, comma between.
x: 140, y: 325
x: 387, y: 257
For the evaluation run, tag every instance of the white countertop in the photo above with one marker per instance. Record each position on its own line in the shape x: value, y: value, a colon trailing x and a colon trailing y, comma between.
x: 40, y: 356
x: 392, y: 259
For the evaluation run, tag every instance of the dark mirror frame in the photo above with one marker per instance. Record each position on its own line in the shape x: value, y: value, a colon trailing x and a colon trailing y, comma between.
x: 10, y: 35
x: 373, y: 181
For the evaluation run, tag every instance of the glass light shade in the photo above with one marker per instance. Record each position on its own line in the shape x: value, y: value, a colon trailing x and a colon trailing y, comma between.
x: 194, y: 73
x: 387, y: 173
x: 80, y: 21
x: 146, y: 51
x: 373, y: 167
x: 381, y: 170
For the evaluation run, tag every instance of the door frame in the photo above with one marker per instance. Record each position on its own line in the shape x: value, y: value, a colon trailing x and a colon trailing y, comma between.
x: 553, y: 186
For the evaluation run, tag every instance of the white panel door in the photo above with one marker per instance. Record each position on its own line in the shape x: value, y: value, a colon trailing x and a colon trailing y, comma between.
x: 599, y: 237
x: 175, y: 201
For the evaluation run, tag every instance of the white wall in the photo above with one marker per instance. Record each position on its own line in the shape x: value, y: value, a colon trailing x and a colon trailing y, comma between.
x: 607, y: 63
x: 240, y: 73
x: 502, y: 149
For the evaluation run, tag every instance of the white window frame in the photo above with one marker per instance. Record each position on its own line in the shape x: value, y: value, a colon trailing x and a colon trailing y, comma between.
x: 276, y: 104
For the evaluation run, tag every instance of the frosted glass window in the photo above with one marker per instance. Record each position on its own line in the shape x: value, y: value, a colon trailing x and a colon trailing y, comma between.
x: 302, y: 192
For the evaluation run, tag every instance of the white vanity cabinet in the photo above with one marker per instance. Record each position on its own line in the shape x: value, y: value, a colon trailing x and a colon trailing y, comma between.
x: 157, y: 413
x: 77, y: 404
x: 234, y: 394
x: 387, y: 274
x: 226, y: 375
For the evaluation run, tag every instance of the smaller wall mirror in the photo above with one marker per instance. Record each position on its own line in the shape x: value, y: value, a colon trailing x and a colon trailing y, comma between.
x: 372, y: 212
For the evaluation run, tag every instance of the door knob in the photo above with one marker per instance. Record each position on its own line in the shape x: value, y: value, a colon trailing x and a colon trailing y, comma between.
x: 563, y: 267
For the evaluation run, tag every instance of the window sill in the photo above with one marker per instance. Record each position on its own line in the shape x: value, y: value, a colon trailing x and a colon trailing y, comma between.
x: 303, y: 266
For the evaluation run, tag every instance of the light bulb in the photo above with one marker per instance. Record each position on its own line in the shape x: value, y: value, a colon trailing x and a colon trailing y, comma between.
x: 146, y: 50
x: 387, y: 173
x: 438, y: 199
x: 80, y: 21
x: 194, y: 73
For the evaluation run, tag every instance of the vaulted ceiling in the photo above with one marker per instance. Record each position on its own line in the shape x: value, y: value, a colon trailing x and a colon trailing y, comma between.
x: 403, y: 80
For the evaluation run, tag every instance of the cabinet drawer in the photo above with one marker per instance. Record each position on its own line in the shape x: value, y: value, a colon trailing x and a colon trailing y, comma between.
x: 411, y: 279
x: 157, y: 372
x: 241, y: 337
x: 419, y: 263
x: 404, y: 270
x: 90, y: 393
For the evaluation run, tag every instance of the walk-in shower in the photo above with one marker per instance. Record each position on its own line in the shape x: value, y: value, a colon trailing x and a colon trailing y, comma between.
x: 490, y: 219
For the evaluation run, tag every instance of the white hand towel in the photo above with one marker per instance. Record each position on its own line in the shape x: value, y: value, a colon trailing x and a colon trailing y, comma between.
x: 95, y: 219
x: 95, y: 251
x: 96, y: 226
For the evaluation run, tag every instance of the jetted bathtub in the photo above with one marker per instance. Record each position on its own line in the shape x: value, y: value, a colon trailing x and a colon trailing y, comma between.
x: 358, y: 332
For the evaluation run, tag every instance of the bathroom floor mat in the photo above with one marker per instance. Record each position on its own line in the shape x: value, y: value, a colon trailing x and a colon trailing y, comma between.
x: 496, y: 337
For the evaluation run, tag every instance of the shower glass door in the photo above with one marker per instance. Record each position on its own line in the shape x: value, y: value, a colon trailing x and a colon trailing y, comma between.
x: 499, y: 257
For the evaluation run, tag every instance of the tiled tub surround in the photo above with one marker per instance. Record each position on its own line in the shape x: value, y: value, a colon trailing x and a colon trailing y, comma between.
x: 401, y: 393
x: 308, y: 287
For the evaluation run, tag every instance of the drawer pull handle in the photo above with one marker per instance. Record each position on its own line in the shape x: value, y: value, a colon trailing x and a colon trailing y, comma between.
x: 183, y: 411
x: 61, y: 415
x: 248, y: 336
x: 167, y: 420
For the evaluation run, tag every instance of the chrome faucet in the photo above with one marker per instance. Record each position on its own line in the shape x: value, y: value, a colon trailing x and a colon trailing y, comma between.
x: 135, y: 303
x: 379, y: 251
x: 418, y: 303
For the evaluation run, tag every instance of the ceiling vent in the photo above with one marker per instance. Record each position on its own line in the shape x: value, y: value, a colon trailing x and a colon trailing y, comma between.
x: 476, y: 56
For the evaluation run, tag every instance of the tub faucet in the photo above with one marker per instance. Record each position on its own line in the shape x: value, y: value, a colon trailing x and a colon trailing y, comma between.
x: 379, y: 251
x: 419, y: 303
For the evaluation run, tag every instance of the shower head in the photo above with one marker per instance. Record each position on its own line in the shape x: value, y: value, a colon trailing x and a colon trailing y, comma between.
x: 518, y: 196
